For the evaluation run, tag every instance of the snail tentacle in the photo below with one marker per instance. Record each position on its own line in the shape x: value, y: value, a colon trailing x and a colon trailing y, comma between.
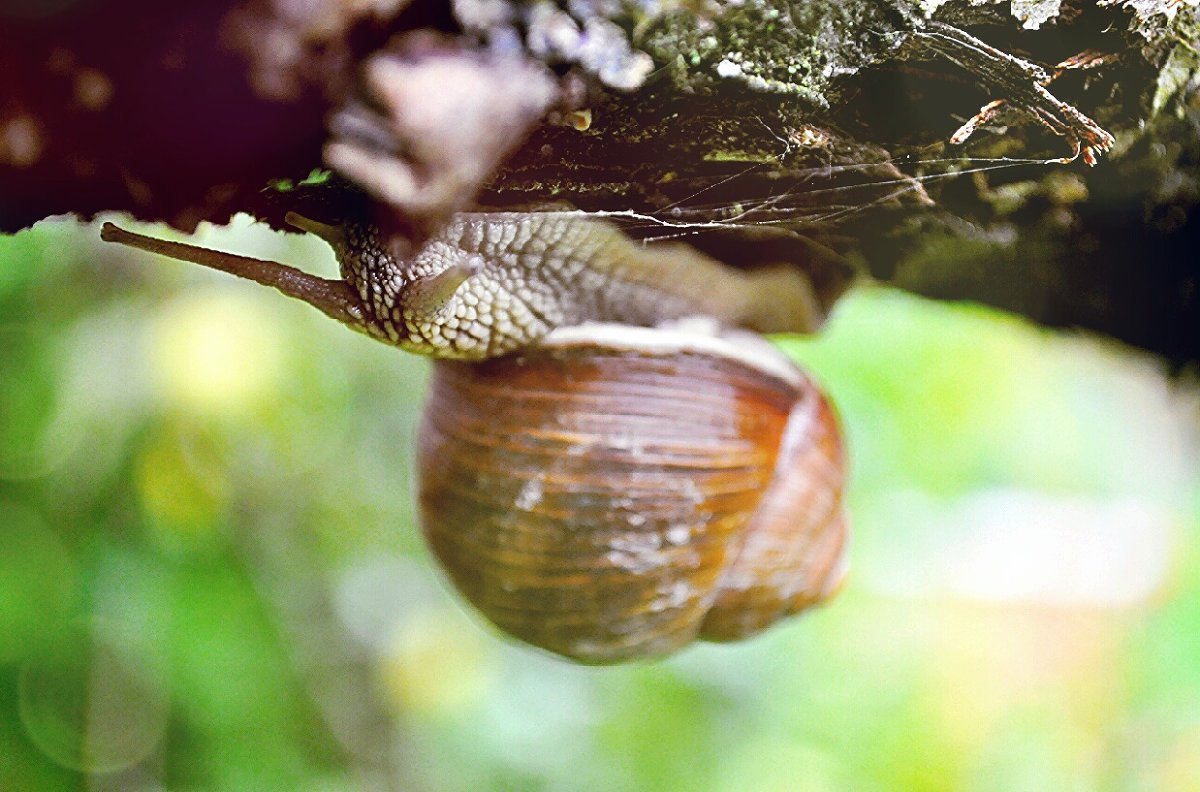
x: 332, y: 297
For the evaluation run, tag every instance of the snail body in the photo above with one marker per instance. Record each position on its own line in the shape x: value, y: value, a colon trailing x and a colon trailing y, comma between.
x: 596, y: 477
x: 493, y: 283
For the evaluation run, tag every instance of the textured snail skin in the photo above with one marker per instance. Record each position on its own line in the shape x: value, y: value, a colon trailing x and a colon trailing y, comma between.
x: 621, y: 494
x: 508, y: 279
x: 494, y: 283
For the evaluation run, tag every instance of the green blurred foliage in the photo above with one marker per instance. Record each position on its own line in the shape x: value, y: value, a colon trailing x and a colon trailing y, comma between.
x: 210, y: 578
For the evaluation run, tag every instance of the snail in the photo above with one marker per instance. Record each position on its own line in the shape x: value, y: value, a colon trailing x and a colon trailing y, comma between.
x: 610, y: 465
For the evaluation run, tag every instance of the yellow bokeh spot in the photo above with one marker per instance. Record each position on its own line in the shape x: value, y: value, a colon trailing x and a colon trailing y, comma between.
x: 217, y: 352
x: 1181, y: 770
x: 436, y: 665
x: 182, y: 501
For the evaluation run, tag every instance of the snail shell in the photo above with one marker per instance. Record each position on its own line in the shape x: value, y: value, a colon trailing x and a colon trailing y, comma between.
x: 619, y: 492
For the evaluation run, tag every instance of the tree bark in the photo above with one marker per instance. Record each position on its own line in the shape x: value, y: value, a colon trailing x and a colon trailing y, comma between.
x: 843, y: 137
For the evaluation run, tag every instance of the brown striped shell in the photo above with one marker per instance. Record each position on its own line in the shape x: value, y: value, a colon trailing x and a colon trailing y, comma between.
x: 619, y: 492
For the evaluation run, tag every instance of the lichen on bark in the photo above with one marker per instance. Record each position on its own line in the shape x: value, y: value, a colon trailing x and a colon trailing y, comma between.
x: 797, y: 48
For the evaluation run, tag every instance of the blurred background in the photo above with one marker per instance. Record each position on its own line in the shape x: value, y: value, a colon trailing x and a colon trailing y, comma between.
x: 210, y: 578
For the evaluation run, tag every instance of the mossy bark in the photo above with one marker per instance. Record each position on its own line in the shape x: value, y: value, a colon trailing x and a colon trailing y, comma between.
x: 803, y: 131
